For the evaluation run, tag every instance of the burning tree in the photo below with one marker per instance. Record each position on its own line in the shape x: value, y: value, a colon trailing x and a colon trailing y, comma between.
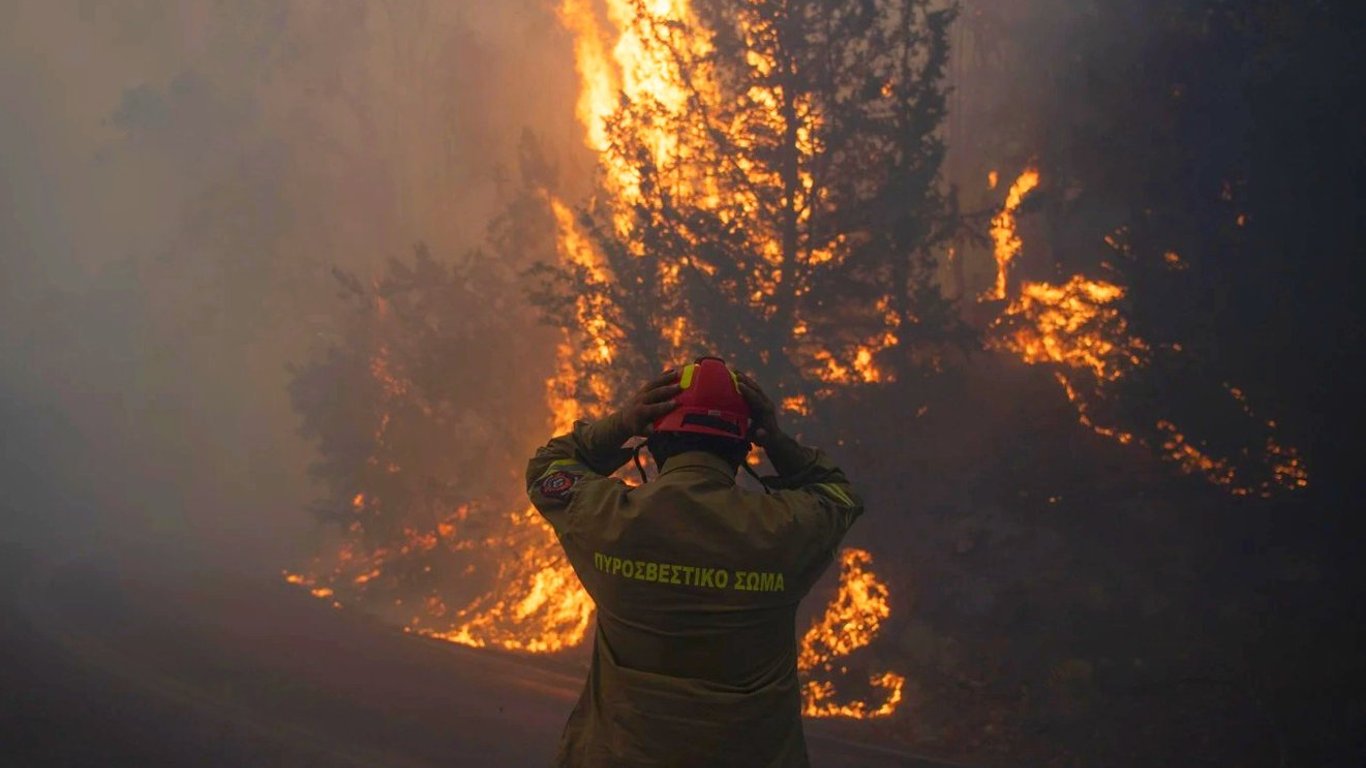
x: 769, y: 189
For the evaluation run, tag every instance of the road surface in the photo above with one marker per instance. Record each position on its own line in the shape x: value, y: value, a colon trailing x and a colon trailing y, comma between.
x: 111, y: 665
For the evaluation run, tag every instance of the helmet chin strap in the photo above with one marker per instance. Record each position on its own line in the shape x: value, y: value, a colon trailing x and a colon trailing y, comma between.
x: 640, y: 467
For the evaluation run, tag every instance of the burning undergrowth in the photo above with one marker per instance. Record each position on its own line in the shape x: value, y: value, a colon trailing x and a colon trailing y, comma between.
x: 1079, y: 329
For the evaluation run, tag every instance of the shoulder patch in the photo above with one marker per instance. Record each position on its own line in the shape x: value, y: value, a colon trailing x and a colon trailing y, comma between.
x: 557, y: 485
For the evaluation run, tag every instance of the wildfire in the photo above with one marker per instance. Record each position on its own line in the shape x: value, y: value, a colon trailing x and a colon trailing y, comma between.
x: 1077, y: 328
x: 627, y: 52
x: 534, y: 603
x: 851, y: 621
x: 619, y: 57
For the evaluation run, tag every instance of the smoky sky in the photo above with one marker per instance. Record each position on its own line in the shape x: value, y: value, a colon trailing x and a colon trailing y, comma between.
x: 177, y: 181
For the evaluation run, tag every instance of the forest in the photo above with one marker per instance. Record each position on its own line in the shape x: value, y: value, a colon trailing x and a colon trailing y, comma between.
x: 1069, y: 289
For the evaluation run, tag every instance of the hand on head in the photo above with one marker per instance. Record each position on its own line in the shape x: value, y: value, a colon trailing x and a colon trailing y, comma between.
x: 763, y: 414
x: 652, y: 402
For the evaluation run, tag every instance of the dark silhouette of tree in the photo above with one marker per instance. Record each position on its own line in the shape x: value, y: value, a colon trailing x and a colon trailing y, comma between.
x: 422, y: 414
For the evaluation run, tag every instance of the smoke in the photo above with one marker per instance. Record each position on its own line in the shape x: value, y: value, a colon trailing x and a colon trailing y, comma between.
x: 177, y: 180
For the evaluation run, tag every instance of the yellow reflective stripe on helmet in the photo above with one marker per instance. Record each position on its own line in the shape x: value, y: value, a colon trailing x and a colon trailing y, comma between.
x: 686, y: 381
x: 734, y: 378
x: 835, y: 492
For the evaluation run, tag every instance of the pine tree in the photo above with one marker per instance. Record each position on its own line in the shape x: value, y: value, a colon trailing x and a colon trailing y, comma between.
x: 779, y: 200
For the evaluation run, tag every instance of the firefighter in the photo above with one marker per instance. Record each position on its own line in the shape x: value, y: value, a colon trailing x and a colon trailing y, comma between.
x: 696, y: 579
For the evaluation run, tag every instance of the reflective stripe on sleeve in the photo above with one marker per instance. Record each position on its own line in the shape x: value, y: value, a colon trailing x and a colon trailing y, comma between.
x: 835, y: 492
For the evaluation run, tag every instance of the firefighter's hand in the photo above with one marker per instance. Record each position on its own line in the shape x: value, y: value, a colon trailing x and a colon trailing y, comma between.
x: 653, y: 401
x: 762, y: 413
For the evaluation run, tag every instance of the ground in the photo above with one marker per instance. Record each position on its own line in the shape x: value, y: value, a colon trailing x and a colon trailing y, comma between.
x: 113, y: 662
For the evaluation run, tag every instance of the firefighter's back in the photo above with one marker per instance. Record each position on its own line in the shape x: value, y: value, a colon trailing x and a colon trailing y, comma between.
x: 697, y: 583
x: 724, y: 607
x: 696, y: 580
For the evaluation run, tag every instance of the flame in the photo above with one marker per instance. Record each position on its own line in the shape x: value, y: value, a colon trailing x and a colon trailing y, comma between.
x: 576, y: 249
x: 616, y: 58
x: 537, y: 604
x: 625, y: 52
x: 1077, y: 326
x: 540, y: 607
x: 850, y: 622
x: 1006, y: 240
x: 1078, y: 329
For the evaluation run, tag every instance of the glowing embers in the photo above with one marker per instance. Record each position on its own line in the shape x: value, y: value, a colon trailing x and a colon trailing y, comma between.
x: 1285, y: 469
x: 851, y: 621
x: 861, y: 370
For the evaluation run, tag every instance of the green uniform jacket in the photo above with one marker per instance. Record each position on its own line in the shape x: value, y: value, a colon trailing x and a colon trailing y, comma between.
x: 696, y: 583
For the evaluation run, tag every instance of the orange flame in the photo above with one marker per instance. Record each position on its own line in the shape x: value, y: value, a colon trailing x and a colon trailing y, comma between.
x: 540, y: 606
x: 1006, y: 241
x: 1077, y: 328
x: 851, y: 621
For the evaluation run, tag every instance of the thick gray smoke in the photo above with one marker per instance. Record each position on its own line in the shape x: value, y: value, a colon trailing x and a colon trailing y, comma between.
x: 176, y: 182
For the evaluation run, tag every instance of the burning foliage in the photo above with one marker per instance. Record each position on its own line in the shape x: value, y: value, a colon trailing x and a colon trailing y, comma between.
x: 851, y: 621
x: 1080, y: 330
x: 1003, y: 232
x: 768, y: 190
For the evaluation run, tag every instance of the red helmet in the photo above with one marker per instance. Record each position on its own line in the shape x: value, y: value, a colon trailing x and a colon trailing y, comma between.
x: 710, y: 403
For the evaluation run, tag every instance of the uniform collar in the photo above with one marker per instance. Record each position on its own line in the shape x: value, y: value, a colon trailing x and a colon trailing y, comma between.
x: 692, y: 461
